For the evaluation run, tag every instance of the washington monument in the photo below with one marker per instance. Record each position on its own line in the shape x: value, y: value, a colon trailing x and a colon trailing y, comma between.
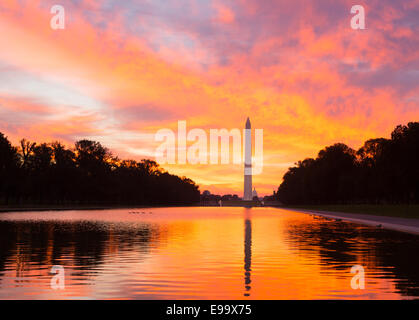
x: 248, y: 162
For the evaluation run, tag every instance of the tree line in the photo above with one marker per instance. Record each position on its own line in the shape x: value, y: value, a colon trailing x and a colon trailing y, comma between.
x: 88, y: 174
x: 381, y: 171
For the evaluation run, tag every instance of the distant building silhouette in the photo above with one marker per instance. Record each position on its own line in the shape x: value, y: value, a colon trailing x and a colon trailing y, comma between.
x: 254, y: 193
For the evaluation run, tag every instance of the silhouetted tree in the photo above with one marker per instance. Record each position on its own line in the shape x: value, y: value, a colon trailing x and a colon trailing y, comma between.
x: 382, y: 170
x: 26, y: 149
x: 8, y: 169
x: 87, y: 174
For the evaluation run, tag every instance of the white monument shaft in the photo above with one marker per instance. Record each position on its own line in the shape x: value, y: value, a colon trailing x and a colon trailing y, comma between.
x: 247, y: 196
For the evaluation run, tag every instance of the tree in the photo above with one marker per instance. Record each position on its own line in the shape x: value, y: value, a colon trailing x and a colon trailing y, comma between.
x: 26, y: 149
x: 382, y: 170
x: 8, y: 168
x: 87, y: 174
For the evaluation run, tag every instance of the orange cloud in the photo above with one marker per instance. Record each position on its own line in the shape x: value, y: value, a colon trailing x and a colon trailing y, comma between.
x: 224, y: 14
x: 306, y: 88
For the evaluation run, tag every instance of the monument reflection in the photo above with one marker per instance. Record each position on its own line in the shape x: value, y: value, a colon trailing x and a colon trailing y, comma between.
x: 247, y: 252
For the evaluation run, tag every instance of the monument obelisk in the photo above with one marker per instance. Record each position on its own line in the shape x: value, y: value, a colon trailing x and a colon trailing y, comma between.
x: 247, y: 196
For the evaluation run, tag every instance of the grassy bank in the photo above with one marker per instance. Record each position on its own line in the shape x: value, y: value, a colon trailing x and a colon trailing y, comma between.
x: 402, y: 211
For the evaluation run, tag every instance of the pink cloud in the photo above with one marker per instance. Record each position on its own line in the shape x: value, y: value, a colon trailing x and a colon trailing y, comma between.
x: 296, y: 68
x: 224, y: 13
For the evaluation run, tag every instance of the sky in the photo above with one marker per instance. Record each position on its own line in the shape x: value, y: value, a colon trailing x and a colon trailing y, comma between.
x: 122, y: 70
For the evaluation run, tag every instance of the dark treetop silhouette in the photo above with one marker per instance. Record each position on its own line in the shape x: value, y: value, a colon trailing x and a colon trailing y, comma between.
x: 86, y: 175
x: 382, y: 171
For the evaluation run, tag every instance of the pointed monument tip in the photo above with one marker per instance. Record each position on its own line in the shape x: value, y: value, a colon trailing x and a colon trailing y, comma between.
x: 248, y: 123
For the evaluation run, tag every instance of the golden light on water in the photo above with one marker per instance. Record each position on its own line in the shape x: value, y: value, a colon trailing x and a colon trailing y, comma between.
x: 198, y: 253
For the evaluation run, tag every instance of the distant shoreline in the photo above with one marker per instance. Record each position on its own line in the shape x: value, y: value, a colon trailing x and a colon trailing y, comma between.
x: 4, y: 209
x: 84, y: 208
x: 389, y: 210
x: 396, y: 223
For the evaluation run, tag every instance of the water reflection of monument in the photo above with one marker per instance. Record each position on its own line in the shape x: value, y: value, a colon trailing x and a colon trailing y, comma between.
x: 247, y: 253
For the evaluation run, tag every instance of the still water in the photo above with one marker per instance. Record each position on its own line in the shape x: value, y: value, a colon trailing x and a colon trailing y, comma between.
x: 201, y: 253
